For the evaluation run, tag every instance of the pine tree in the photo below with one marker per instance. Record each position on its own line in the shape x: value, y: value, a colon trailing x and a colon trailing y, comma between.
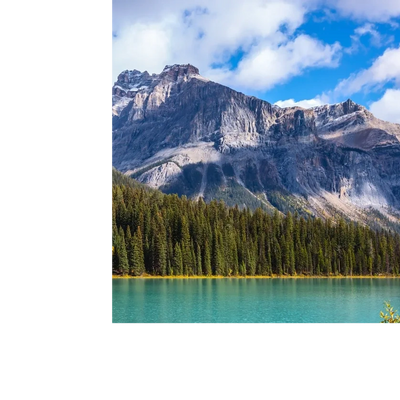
x: 128, y: 236
x: 170, y: 254
x: 305, y: 261
x: 328, y: 258
x: 242, y: 269
x: 177, y: 264
x: 137, y: 263
x: 251, y: 259
x: 160, y: 255
x: 193, y: 270
x: 199, y: 263
x: 230, y: 256
x: 286, y: 255
x: 345, y: 263
x: 268, y: 270
x: 391, y: 260
x: 122, y: 255
x: 261, y: 259
x: 351, y: 260
x: 207, y: 260
x: 186, y: 248
x: 277, y: 257
x: 310, y: 260
x: 169, y: 268
x: 218, y: 254
x: 129, y: 247
x: 147, y: 254
x: 115, y: 261
x: 292, y: 269
x: 320, y: 262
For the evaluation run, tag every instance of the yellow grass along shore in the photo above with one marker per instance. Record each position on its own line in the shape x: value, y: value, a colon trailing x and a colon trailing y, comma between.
x: 146, y: 276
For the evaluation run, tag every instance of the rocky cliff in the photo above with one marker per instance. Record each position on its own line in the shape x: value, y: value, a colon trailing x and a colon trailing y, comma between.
x: 182, y: 133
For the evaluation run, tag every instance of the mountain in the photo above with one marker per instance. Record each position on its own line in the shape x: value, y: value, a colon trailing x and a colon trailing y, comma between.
x: 181, y: 133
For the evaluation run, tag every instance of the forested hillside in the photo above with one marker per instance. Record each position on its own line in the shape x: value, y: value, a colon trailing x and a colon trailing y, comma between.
x: 160, y: 234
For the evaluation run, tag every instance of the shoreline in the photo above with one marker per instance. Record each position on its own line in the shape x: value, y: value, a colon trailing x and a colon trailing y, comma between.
x: 258, y: 277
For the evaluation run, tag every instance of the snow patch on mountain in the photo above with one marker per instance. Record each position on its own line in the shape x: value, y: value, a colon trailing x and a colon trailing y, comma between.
x: 119, y: 103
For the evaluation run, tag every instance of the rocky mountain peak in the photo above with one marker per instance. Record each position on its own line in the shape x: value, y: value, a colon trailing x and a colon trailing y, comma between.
x: 132, y: 81
x: 179, y: 73
x: 184, y: 69
x: 346, y: 114
x: 343, y: 108
x: 150, y: 91
x: 349, y: 106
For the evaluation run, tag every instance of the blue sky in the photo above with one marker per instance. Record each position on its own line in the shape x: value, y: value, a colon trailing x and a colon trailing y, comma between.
x: 288, y: 52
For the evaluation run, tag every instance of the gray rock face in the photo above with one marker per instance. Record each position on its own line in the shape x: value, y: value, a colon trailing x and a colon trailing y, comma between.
x: 183, y: 133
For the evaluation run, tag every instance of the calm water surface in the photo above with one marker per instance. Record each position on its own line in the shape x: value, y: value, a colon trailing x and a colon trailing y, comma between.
x: 252, y: 300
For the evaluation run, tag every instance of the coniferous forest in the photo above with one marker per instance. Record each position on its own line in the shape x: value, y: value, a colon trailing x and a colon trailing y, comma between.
x: 158, y: 234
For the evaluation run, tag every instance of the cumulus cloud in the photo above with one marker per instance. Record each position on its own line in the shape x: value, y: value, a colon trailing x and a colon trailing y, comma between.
x: 316, y: 101
x: 267, y: 65
x: 384, y: 69
x: 388, y: 107
x: 142, y: 46
x: 370, y: 10
x: 208, y: 33
x: 263, y: 35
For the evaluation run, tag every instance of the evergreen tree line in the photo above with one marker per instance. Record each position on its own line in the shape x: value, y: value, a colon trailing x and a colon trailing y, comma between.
x: 165, y: 235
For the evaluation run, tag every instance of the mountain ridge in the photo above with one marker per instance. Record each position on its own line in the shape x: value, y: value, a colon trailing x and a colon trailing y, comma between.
x: 182, y: 133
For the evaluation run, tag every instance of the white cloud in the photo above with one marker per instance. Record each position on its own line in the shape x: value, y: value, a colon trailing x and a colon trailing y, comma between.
x: 376, y: 39
x: 384, y: 69
x: 370, y: 30
x: 316, y: 101
x: 370, y: 10
x: 388, y: 107
x: 142, y: 46
x: 267, y: 65
x: 207, y: 33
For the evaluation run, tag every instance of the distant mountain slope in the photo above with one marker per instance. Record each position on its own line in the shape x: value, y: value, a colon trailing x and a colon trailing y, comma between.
x: 182, y: 133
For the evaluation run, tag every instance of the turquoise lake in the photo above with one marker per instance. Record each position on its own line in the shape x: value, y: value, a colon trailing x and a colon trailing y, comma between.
x: 252, y: 300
